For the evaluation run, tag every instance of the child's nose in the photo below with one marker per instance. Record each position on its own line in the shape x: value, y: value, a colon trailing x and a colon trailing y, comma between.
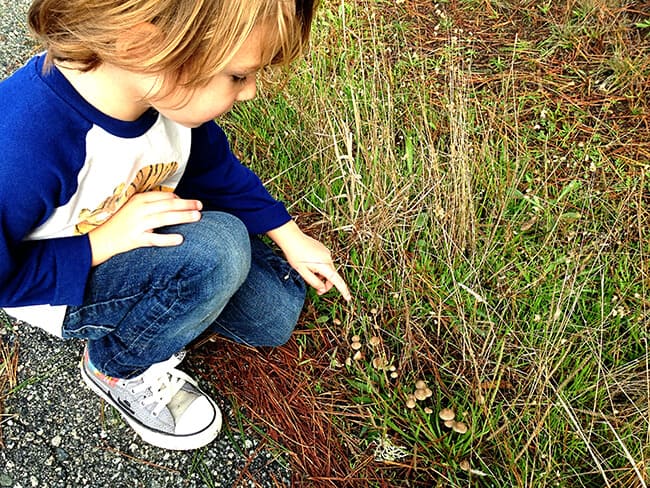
x: 248, y: 91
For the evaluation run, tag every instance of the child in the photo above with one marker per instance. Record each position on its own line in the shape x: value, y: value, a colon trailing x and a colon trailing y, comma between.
x: 125, y: 219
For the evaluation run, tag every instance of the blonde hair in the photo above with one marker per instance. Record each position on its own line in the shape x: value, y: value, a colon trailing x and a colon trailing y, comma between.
x: 189, y: 40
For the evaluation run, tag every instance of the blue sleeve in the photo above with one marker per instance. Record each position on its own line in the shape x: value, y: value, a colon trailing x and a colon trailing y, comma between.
x: 38, y: 171
x: 42, y: 272
x: 49, y: 271
x: 216, y: 177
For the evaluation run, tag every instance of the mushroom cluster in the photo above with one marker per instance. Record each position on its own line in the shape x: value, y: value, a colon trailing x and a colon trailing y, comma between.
x: 379, y: 362
x: 355, y: 345
x: 448, y: 416
x: 421, y: 393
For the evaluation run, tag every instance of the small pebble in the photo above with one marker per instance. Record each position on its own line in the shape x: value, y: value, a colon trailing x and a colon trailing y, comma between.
x: 6, y: 480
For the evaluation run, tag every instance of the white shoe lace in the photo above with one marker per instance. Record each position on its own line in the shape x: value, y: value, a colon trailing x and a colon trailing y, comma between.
x: 160, y: 383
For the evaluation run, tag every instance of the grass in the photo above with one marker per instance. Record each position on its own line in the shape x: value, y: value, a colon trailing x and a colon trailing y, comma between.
x: 480, y: 170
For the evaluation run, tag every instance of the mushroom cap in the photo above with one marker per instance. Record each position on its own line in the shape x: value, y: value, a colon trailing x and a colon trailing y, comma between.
x: 420, y: 384
x: 410, y: 403
x: 449, y: 423
x: 447, y: 414
x: 356, y: 345
x: 459, y: 427
x: 378, y: 363
x: 374, y: 341
x: 420, y: 394
x: 355, y: 338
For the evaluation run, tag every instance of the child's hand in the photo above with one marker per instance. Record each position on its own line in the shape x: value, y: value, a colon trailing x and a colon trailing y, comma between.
x: 133, y: 225
x: 310, y: 258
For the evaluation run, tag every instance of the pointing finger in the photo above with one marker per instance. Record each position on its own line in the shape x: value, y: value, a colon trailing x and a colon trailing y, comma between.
x: 332, y: 278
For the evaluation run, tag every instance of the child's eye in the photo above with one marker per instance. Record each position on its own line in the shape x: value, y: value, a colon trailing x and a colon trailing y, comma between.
x: 238, y: 79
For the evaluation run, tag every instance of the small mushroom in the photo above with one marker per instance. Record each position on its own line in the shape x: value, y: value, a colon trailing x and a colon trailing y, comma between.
x: 374, y: 341
x: 394, y: 375
x: 447, y: 414
x: 464, y: 465
x: 420, y: 395
x: 379, y: 363
x: 355, y: 338
x: 420, y: 385
x: 428, y: 410
x: 449, y: 423
x: 357, y: 355
x: 410, y: 403
x: 428, y: 393
x: 459, y: 427
x: 356, y: 345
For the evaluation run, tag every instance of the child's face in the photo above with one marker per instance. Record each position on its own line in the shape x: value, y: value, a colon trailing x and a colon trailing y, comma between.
x: 236, y: 83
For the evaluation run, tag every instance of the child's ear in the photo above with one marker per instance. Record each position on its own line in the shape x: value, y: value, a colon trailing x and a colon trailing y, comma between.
x: 135, y: 43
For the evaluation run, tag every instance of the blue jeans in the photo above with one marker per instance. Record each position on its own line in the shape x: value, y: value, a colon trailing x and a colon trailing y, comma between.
x: 142, y: 306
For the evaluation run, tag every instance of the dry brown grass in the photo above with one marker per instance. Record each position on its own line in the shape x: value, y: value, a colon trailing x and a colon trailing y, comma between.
x: 8, y: 372
x: 294, y: 396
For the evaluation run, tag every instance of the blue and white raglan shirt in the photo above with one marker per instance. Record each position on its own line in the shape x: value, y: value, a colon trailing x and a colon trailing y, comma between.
x: 66, y: 167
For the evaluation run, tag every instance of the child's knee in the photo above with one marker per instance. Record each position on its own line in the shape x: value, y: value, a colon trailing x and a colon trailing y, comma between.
x: 216, y: 252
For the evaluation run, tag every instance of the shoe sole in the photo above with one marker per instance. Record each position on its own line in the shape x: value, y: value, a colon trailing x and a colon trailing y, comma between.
x: 157, y: 438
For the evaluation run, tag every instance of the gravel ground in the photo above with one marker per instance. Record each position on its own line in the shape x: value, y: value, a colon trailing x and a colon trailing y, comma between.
x: 16, y: 44
x: 59, y: 434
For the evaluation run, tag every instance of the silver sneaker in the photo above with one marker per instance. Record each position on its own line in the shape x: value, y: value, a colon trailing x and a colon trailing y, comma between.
x: 163, y: 405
